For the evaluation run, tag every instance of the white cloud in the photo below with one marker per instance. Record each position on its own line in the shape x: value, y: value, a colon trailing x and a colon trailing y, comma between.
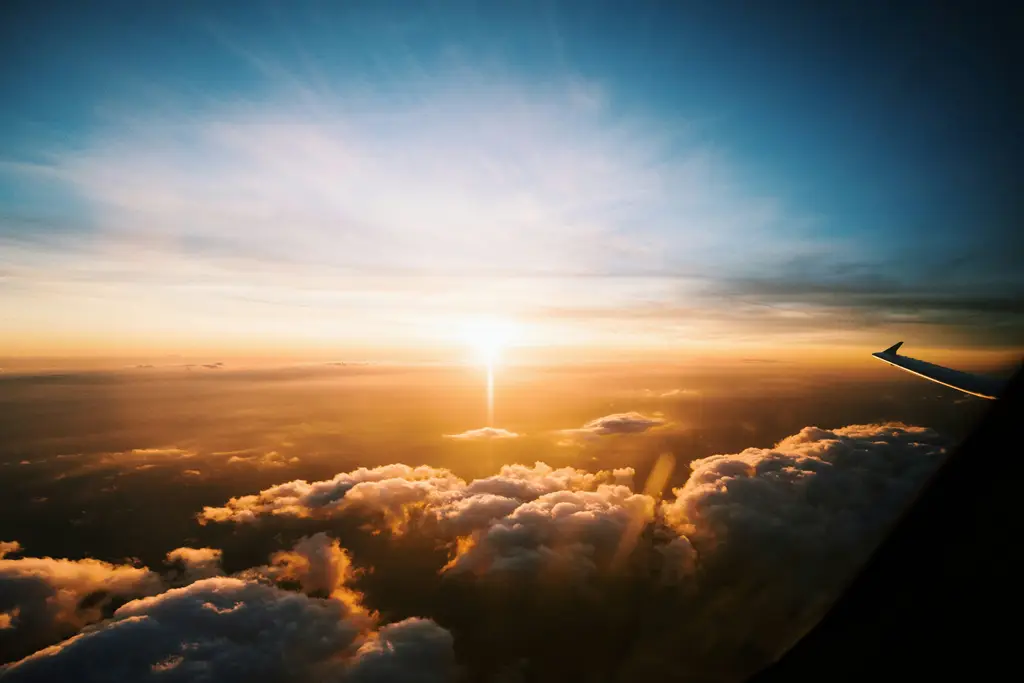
x: 483, y: 434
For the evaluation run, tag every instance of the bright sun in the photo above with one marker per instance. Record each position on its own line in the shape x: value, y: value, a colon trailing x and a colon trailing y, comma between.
x: 488, y: 337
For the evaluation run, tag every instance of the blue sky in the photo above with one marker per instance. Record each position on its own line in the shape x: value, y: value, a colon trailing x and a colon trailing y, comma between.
x: 630, y: 174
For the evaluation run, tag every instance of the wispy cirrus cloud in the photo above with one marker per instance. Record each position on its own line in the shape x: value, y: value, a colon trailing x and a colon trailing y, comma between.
x: 382, y: 205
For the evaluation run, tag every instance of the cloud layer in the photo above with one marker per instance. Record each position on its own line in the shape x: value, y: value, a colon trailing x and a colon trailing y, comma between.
x: 553, y: 571
x: 751, y: 549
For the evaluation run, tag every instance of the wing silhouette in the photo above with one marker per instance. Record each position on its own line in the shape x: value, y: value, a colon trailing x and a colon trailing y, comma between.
x: 969, y: 383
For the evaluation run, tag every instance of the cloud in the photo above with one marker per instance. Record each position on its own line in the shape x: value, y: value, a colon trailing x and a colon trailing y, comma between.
x: 54, y: 598
x: 410, y: 650
x: 502, y: 177
x: 140, y: 458
x: 171, y: 452
x: 318, y: 564
x: 974, y: 296
x: 300, y: 498
x: 9, y: 618
x: 860, y: 474
x: 777, y: 531
x: 736, y: 563
x: 197, y: 563
x: 674, y: 393
x: 397, y: 492
x: 565, y: 532
x: 740, y: 559
x: 616, y: 423
x: 266, y: 460
x: 9, y: 547
x: 228, y: 629
x: 483, y: 434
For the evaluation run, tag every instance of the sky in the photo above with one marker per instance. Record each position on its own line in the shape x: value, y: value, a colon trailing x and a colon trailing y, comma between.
x: 331, y: 178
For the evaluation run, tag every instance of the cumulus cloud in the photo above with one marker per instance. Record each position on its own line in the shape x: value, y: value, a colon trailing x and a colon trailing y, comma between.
x: 47, y: 599
x: 318, y: 564
x: 300, y: 498
x: 736, y: 563
x: 411, y: 650
x: 816, y: 492
x: 750, y: 550
x: 398, y: 492
x: 571, y: 532
x: 777, y: 531
x: 196, y: 563
x: 266, y: 460
x: 483, y: 434
x: 229, y: 629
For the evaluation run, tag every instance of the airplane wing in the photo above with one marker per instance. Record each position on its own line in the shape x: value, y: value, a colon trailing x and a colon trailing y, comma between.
x: 969, y: 383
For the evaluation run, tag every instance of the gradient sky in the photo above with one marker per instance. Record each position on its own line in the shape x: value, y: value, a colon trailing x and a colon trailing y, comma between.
x: 298, y: 177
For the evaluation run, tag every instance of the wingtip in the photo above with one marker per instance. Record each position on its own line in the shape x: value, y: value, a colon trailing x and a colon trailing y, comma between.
x: 894, y: 348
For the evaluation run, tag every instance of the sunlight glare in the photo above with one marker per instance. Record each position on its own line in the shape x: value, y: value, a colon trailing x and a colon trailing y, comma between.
x: 488, y: 337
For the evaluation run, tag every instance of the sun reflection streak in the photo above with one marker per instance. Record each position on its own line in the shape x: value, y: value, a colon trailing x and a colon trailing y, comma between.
x: 490, y: 393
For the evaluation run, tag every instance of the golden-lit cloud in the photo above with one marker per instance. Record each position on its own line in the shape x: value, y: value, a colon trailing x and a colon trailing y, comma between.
x: 270, y: 459
x: 395, y: 491
x: 318, y: 564
x: 483, y: 434
x: 9, y: 618
x: 54, y: 598
x: 8, y: 548
x: 196, y: 563
x: 300, y: 498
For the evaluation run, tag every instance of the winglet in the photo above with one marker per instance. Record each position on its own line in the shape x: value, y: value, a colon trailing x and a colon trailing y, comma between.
x: 894, y: 348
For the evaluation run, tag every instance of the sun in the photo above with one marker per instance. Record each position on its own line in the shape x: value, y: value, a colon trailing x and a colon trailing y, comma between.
x: 488, y: 337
